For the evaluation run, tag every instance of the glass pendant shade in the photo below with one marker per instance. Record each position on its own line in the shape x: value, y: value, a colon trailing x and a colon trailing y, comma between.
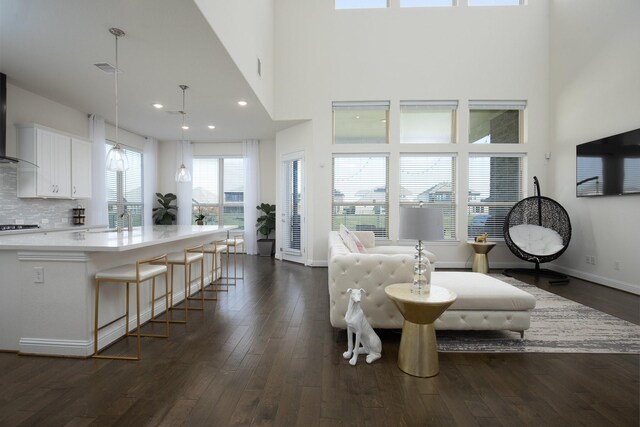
x: 117, y: 160
x: 183, y: 174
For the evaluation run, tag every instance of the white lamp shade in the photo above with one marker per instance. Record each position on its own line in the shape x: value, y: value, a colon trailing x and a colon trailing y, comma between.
x: 421, y: 224
x: 117, y: 160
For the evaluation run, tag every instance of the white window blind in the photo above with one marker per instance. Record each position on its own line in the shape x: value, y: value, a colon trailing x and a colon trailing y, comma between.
x: 426, y: 3
x: 427, y: 122
x: 360, y: 122
x: 495, y: 185
x: 360, y: 4
x: 124, y: 189
x: 293, y: 208
x: 233, y: 192
x: 430, y: 179
x: 360, y: 193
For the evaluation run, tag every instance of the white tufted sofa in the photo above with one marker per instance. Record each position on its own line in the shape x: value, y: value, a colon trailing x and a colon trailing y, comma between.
x: 484, y: 303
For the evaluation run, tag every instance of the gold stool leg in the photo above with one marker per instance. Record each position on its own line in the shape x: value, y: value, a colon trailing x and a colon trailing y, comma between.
x: 95, y: 323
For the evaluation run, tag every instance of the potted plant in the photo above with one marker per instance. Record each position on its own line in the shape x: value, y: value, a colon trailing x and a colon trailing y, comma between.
x: 165, y: 214
x: 266, y: 225
x: 199, y: 217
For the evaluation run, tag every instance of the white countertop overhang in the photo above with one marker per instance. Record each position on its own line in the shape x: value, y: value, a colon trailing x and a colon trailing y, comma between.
x: 104, y: 240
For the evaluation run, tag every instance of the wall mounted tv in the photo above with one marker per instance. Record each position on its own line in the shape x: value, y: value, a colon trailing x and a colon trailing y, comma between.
x: 609, y: 166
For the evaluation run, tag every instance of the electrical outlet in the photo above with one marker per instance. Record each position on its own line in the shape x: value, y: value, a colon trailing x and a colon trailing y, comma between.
x: 38, y: 274
x: 44, y: 221
x: 587, y: 259
x: 593, y: 260
x: 19, y: 221
x: 616, y: 265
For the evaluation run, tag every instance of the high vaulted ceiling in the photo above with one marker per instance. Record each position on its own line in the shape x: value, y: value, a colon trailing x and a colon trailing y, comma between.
x: 49, y: 47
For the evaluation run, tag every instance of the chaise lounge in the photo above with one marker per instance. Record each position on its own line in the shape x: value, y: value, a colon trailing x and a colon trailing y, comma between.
x: 483, y: 303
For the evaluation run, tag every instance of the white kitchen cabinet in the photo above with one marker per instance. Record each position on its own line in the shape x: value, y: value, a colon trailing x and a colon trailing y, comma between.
x: 51, y: 150
x: 80, y: 169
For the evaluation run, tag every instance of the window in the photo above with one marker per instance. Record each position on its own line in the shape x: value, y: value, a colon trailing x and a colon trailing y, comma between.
x: 427, y: 122
x: 360, y: 198
x: 426, y: 3
x: 496, y: 122
x: 124, y: 189
x: 495, y: 185
x: 361, y: 4
x: 495, y: 2
x: 430, y: 179
x: 218, y: 190
x: 360, y: 122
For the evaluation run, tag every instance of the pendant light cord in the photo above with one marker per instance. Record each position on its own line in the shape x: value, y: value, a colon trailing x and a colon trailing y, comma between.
x: 116, y: 80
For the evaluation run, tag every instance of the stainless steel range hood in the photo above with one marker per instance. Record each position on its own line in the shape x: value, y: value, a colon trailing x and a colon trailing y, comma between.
x: 4, y: 159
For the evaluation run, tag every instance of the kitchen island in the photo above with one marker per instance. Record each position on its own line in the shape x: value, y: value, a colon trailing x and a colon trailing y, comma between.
x: 48, y: 289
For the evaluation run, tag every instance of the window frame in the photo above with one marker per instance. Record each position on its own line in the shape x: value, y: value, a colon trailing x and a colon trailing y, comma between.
x: 219, y: 207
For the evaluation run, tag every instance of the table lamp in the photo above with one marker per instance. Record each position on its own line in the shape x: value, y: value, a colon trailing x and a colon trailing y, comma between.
x: 418, y: 223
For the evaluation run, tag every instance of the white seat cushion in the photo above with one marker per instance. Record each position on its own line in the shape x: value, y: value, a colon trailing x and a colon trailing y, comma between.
x: 535, y: 239
x: 128, y: 272
x: 233, y: 242
x: 478, y: 291
x: 179, y: 257
x: 403, y: 250
x: 214, y: 248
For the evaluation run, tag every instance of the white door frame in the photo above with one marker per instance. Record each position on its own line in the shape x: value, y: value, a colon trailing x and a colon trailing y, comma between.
x: 283, y: 253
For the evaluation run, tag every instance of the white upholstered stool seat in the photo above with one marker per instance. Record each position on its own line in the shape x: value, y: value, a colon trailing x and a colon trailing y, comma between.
x: 183, y: 258
x: 141, y: 271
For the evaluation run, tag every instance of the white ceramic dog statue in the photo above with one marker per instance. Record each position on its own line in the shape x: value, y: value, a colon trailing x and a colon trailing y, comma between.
x: 367, y: 341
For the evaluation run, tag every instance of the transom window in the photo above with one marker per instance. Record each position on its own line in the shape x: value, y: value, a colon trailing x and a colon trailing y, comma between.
x: 427, y: 122
x: 361, y: 4
x: 360, y: 197
x: 360, y: 122
x: 496, y: 122
x: 218, y: 190
x: 124, y: 189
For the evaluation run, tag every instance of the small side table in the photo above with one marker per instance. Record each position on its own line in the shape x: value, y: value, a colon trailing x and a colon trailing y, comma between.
x: 480, y: 260
x: 418, y: 355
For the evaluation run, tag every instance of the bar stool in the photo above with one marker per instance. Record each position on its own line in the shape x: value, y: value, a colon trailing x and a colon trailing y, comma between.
x: 186, y: 258
x: 214, y: 248
x: 142, y: 271
x: 235, y: 242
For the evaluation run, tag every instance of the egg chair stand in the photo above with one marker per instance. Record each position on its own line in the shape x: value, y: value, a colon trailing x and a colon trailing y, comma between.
x: 549, y: 217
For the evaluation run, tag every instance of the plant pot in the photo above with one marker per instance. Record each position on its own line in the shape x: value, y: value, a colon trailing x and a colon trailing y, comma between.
x: 265, y: 247
x: 200, y: 222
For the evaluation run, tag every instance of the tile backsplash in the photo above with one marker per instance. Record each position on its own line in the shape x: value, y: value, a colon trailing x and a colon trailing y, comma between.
x: 47, y: 213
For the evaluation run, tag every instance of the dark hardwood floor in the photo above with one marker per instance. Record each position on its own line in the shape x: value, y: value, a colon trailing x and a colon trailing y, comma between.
x: 265, y: 354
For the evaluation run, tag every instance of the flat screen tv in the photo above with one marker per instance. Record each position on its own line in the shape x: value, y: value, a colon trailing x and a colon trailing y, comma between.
x: 609, y: 166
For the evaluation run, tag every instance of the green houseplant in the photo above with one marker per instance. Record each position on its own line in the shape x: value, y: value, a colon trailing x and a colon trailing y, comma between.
x: 265, y: 226
x: 199, y: 217
x: 165, y: 214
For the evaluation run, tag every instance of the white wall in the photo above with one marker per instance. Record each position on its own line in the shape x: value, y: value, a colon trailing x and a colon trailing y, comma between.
x: 459, y: 53
x: 595, y: 87
x: 245, y: 29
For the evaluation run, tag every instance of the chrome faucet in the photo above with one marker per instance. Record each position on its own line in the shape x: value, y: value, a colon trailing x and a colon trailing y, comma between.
x: 119, y: 224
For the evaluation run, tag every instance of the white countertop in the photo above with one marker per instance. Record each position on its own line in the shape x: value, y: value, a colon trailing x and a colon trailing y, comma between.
x: 100, y: 240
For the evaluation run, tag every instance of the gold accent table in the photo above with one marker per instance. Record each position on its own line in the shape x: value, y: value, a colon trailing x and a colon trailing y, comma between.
x: 480, y: 259
x: 418, y: 355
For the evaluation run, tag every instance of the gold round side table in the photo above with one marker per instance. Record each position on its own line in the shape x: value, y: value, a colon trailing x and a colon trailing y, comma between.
x: 480, y: 259
x: 418, y: 355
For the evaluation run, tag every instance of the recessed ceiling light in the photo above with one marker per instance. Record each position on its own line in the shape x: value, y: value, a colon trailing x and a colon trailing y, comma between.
x: 357, y: 117
x: 185, y: 127
x: 242, y: 103
x: 158, y: 106
x: 211, y: 127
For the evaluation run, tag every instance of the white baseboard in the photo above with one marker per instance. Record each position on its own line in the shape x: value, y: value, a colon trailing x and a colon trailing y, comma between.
x: 600, y: 280
x: 316, y: 263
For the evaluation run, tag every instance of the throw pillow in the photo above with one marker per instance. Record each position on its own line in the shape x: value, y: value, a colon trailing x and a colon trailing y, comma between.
x: 351, y: 241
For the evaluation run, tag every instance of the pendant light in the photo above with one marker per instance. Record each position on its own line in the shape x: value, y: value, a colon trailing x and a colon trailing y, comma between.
x: 116, y: 158
x: 183, y: 175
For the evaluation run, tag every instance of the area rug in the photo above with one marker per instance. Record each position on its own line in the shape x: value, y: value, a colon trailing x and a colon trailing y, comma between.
x: 558, y: 325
